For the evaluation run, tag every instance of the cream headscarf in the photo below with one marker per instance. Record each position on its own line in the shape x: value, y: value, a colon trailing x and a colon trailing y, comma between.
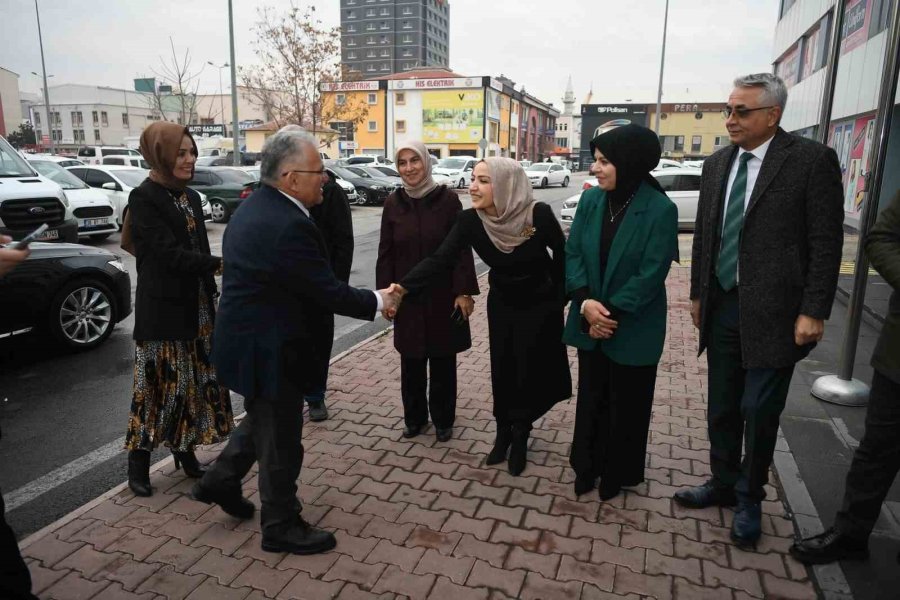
x: 427, y: 184
x: 514, y: 203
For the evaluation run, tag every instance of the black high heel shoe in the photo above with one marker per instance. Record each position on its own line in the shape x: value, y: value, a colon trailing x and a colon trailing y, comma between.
x: 139, y: 472
x: 188, y: 461
x: 518, y: 451
x: 501, y: 446
x: 608, y: 490
x: 583, y: 485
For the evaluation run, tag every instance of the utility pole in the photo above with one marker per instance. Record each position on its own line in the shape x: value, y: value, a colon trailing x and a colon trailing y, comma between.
x: 662, y: 64
x: 44, y: 72
x: 221, y: 94
x: 236, y: 153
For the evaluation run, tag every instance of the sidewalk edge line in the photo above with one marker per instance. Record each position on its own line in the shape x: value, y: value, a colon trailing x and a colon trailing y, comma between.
x: 829, y: 578
x: 68, y: 518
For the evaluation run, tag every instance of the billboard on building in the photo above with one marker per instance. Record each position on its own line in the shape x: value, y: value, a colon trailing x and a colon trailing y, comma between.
x: 493, y: 105
x: 856, y: 24
x: 206, y: 129
x: 852, y: 140
x: 599, y: 118
x: 453, y: 117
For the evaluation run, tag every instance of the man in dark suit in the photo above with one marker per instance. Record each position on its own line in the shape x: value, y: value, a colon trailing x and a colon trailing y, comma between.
x: 335, y: 222
x: 876, y: 461
x: 277, y: 282
x: 767, y: 248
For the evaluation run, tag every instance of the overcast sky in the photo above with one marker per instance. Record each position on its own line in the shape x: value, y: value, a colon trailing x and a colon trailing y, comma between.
x: 612, y: 44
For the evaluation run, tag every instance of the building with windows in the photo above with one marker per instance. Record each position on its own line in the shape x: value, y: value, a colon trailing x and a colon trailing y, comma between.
x: 689, y: 131
x: 568, y: 128
x: 380, y: 37
x: 802, y: 41
x: 450, y: 112
x: 10, y: 104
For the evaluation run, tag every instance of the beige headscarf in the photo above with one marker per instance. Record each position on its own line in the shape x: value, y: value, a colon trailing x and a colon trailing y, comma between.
x: 160, y: 143
x: 427, y: 184
x: 514, y: 203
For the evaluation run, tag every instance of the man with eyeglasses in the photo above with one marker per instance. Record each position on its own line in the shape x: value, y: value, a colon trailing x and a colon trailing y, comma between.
x: 767, y: 249
x: 277, y: 285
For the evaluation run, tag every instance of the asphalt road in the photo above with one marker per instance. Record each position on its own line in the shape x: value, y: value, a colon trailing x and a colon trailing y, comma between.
x: 64, y: 415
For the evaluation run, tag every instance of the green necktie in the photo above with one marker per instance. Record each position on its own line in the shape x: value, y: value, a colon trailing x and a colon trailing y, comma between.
x: 726, y: 270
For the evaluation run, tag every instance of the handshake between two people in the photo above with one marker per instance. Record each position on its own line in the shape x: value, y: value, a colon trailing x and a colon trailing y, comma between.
x: 391, y: 297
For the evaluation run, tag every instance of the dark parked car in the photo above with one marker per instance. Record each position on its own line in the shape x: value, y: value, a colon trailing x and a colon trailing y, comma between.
x: 371, y: 190
x: 74, y: 294
x: 223, y: 187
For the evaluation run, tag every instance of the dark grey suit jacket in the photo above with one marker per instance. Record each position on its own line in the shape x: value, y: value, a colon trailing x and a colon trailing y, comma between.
x: 790, y: 249
x: 883, y: 249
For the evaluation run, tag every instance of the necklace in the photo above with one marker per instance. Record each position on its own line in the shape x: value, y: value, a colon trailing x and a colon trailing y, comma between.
x: 612, y: 217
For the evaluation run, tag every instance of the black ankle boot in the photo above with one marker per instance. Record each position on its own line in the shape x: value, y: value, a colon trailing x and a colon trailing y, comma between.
x: 188, y: 461
x: 518, y: 450
x: 139, y: 472
x: 583, y: 485
x: 501, y: 445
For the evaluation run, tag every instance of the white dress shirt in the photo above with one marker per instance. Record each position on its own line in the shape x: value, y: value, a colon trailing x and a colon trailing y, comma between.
x: 305, y: 210
x: 753, y: 166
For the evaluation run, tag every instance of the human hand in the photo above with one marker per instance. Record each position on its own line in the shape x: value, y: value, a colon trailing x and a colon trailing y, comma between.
x: 465, y: 304
x: 603, y: 326
x: 10, y: 258
x: 808, y: 330
x: 392, y: 296
x: 695, y: 312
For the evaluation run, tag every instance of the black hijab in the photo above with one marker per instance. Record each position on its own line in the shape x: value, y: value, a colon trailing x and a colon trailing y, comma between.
x: 634, y: 151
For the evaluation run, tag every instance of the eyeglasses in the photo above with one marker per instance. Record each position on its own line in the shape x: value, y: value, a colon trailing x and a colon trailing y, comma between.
x: 742, y: 112
x: 319, y: 172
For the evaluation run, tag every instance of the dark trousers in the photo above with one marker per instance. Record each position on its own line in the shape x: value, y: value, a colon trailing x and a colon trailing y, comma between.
x: 744, y: 406
x: 270, y: 433
x: 612, y: 419
x: 875, y: 463
x: 15, y: 580
x: 323, y: 332
x: 441, y: 397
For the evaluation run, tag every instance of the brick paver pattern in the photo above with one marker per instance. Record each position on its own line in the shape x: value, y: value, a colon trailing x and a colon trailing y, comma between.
x: 421, y: 519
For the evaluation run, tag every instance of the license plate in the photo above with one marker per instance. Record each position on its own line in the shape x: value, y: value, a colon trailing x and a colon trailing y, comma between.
x: 94, y: 222
x: 50, y: 234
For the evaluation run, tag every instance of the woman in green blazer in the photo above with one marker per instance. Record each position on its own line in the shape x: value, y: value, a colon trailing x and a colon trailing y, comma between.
x: 622, y: 242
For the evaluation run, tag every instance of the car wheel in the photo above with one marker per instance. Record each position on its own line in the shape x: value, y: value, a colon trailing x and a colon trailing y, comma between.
x: 363, y: 197
x: 543, y: 183
x: 82, y: 315
x: 219, y: 211
x: 565, y: 182
x: 462, y: 183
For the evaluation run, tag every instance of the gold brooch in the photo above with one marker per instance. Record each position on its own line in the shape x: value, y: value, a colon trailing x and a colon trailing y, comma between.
x: 529, y: 231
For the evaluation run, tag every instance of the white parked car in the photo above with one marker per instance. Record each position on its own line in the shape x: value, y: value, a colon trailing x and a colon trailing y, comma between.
x: 548, y: 173
x: 667, y: 163
x: 95, y: 213
x: 349, y: 189
x: 93, y: 155
x: 62, y: 161
x: 457, y: 168
x: 127, y: 161
x: 365, y: 160
x: 115, y: 181
x: 682, y: 186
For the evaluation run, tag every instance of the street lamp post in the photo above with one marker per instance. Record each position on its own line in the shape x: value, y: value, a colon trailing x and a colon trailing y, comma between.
x: 221, y: 95
x: 234, y: 103
x: 662, y: 63
x: 44, y: 71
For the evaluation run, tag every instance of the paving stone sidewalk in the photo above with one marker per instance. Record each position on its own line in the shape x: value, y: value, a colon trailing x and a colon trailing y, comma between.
x: 425, y: 520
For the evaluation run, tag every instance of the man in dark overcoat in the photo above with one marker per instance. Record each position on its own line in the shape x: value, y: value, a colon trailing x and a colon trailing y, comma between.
x: 335, y: 223
x: 876, y: 461
x: 766, y: 254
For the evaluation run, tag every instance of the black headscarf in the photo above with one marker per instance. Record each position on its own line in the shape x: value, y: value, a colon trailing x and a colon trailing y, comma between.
x: 634, y: 151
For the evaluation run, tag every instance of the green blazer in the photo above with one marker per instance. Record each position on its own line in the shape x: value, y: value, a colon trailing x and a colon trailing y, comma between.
x: 634, y: 282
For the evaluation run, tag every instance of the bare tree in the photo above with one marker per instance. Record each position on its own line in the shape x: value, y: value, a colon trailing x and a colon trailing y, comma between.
x: 184, y: 82
x: 297, y: 54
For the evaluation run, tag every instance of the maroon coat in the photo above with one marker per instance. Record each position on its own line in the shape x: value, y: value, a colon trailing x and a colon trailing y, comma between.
x: 412, y: 230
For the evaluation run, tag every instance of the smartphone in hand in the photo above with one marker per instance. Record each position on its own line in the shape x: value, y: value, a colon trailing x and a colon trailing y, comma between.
x: 25, y: 241
x: 457, y: 316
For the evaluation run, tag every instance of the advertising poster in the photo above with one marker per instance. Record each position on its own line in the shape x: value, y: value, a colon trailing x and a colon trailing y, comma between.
x: 453, y: 116
x: 810, y: 57
x: 599, y: 118
x: 788, y: 66
x: 856, y: 24
x: 493, y: 105
x: 852, y: 140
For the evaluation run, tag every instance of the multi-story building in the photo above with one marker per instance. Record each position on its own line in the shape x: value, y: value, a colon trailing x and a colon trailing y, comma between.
x: 689, y: 131
x: 802, y: 42
x: 451, y: 113
x: 380, y: 37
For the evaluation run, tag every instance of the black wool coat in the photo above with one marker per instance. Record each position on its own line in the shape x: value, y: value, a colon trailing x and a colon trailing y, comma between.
x: 790, y: 248
x: 411, y: 230
x: 169, y: 270
x: 883, y: 250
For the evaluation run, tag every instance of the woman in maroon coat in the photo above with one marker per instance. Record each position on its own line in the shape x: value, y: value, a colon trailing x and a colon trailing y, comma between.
x: 431, y: 329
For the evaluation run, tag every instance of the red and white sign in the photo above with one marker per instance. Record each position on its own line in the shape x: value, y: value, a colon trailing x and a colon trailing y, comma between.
x: 349, y: 86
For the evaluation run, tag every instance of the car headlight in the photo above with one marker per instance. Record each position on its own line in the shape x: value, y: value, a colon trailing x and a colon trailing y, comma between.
x: 118, y: 264
x: 379, y: 187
